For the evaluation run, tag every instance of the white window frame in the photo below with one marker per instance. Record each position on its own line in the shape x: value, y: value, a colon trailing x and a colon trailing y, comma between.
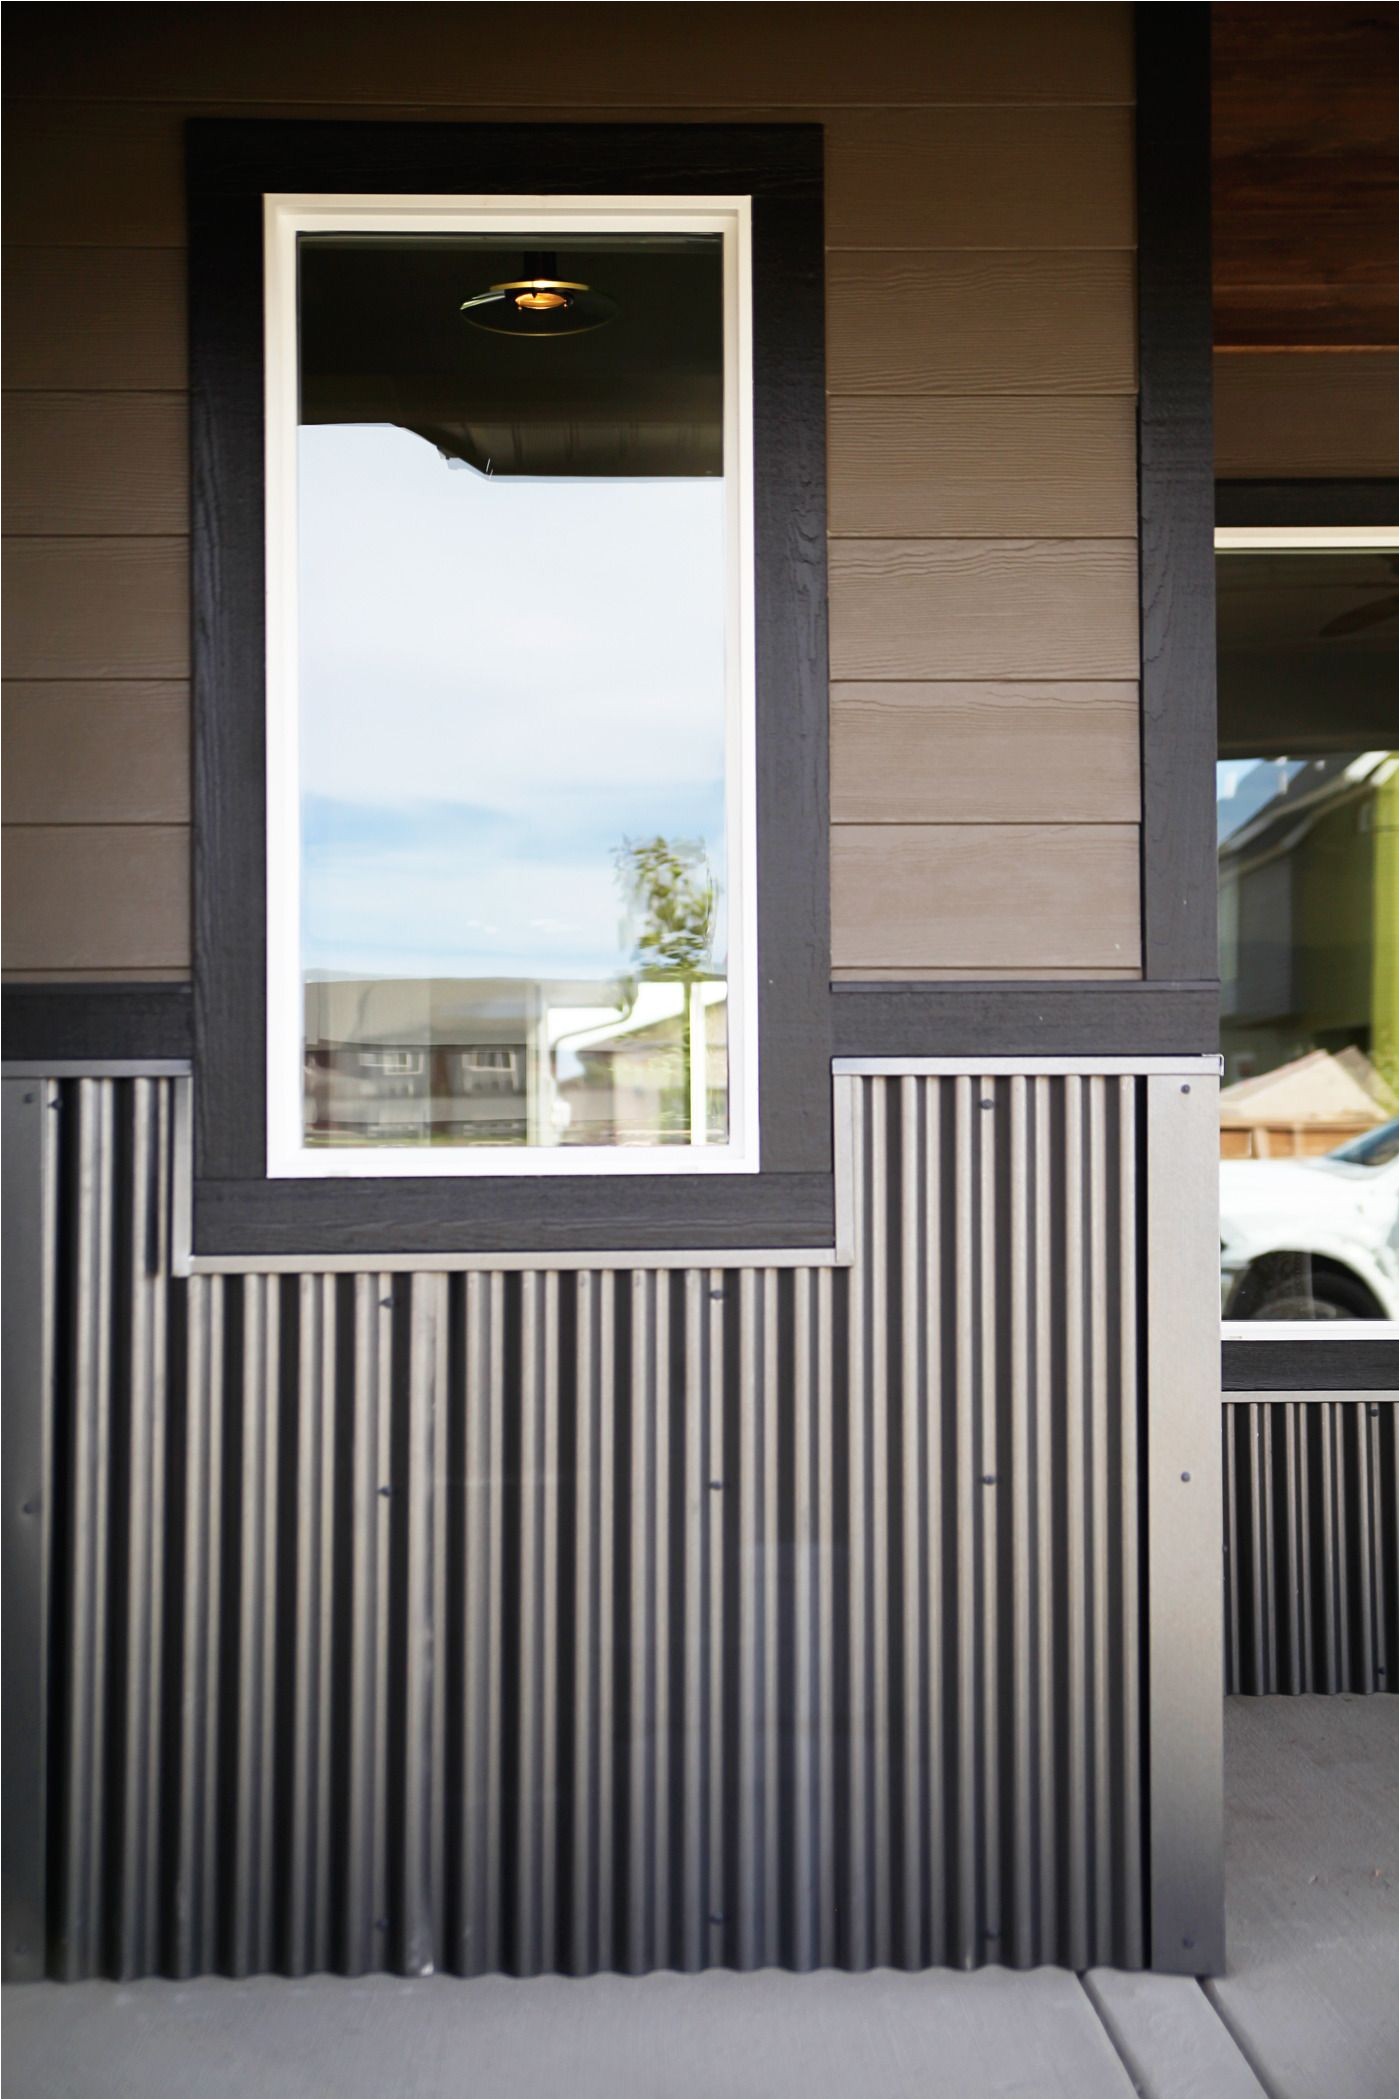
x: 1307, y: 539
x: 285, y: 217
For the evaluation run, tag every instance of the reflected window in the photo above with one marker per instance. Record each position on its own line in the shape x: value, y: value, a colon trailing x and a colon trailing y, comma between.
x: 510, y: 691
x: 1306, y: 798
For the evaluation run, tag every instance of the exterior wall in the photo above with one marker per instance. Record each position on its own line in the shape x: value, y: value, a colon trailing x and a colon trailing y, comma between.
x: 981, y: 364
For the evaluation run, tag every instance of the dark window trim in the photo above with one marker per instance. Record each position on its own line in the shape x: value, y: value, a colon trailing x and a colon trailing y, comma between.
x: 1176, y: 502
x: 237, y: 1210
x: 1319, y: 503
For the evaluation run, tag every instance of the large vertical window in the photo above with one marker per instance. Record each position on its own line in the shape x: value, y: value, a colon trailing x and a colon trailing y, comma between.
x: 510, y: 847
x: 1307, y: 788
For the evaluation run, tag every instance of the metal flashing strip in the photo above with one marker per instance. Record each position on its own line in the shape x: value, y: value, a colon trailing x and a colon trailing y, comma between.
x: 1028, y: 1067
x: 95, y: 1068
x: 1309, y: 1330
x: 1261, y: 1396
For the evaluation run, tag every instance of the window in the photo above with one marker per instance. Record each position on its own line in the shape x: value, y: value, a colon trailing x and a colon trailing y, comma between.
x: 1307, y: 785
x: 510, y: 690
x: 510, y: 695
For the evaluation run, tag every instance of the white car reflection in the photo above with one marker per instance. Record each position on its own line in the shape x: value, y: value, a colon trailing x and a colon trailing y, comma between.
x: 1312, y: 1239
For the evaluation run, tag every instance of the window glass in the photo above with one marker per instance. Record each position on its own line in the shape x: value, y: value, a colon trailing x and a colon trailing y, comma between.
x: 518, y: 695
x: 1306, y: 823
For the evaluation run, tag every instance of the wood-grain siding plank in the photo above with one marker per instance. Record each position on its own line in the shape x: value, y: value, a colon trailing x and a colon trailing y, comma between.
x: 524, y: 58
x: 96, y: 754
x: 1053, y: 753
x: 97, y: 897
x: 95, y: 319
x: 980, y: 178
x: 989, y: 322
x: 983, y: 467
x: 96, y: 463
x: 974, y: 609
x: 97, y: 608
x: 974, y: 897
x: 1305, y: 415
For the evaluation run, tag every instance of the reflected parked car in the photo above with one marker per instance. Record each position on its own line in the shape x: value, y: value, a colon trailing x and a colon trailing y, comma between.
x: 1312, y: 1239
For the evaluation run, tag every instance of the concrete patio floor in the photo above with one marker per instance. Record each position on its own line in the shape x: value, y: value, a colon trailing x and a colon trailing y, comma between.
x: 1308, y: 2006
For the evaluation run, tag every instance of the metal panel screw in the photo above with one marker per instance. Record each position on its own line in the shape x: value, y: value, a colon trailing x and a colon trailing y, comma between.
x: 28, y: 1098
x: 986, y: 1104
x: 1186, y: 1090
x: 715, y: 1485
x: 386, y: 1304
x: 386, y: 1491
x: 989, y: 1480
x: 716, y: 1917
x: 1186, y: 1476
x: 1188, y: 1942
x: 719, y: 1293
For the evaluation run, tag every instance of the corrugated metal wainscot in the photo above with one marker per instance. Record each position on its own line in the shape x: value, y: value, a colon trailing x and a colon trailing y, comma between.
x: 1310, y: 1544
x: 621, y: 1620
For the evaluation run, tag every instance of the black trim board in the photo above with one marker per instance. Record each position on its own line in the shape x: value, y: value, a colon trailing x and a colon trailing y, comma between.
x: 1176, y: 499
x: 1295, y: 503
x: 231, y: 164
x: 1312, y: 1366
x: 78, y: 1023
x: 1025, y: 1020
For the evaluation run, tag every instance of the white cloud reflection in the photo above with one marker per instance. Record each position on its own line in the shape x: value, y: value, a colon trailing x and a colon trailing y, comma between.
x: 500, y: 681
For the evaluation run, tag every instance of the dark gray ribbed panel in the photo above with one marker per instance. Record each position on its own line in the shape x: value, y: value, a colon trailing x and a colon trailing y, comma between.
x: 621, y: 1620
x: 1310, y: 1521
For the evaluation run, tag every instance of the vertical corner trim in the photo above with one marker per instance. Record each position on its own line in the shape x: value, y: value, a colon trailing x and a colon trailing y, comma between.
x: 1183, y: 1492
x: 1176, y: 493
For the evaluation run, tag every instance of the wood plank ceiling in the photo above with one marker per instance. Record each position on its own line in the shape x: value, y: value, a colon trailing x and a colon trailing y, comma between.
x: 1305, y: 189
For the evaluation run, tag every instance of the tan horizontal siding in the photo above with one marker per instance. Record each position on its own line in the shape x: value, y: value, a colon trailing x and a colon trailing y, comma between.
x: 124, y: 752
x: 970, y: 897
x: 95, y: 319
x: 523, y: 58
x: 1324, y: 414
x: 1016, y: 754
x: 993, y: 322
x: 983, y: 468
x: 97, y: 608
x: 982, y: 473
x: 97, y: 463
x: 980, y: 178
x: 983, y: 609
x: 88, y: 897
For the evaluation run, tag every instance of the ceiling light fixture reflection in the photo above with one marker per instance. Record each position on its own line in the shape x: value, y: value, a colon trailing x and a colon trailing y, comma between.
x: 539, y: 302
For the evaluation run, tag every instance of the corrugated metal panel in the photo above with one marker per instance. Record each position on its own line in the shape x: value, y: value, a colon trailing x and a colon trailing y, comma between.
x: 613, y: 1620
x: 1310, y: 1564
